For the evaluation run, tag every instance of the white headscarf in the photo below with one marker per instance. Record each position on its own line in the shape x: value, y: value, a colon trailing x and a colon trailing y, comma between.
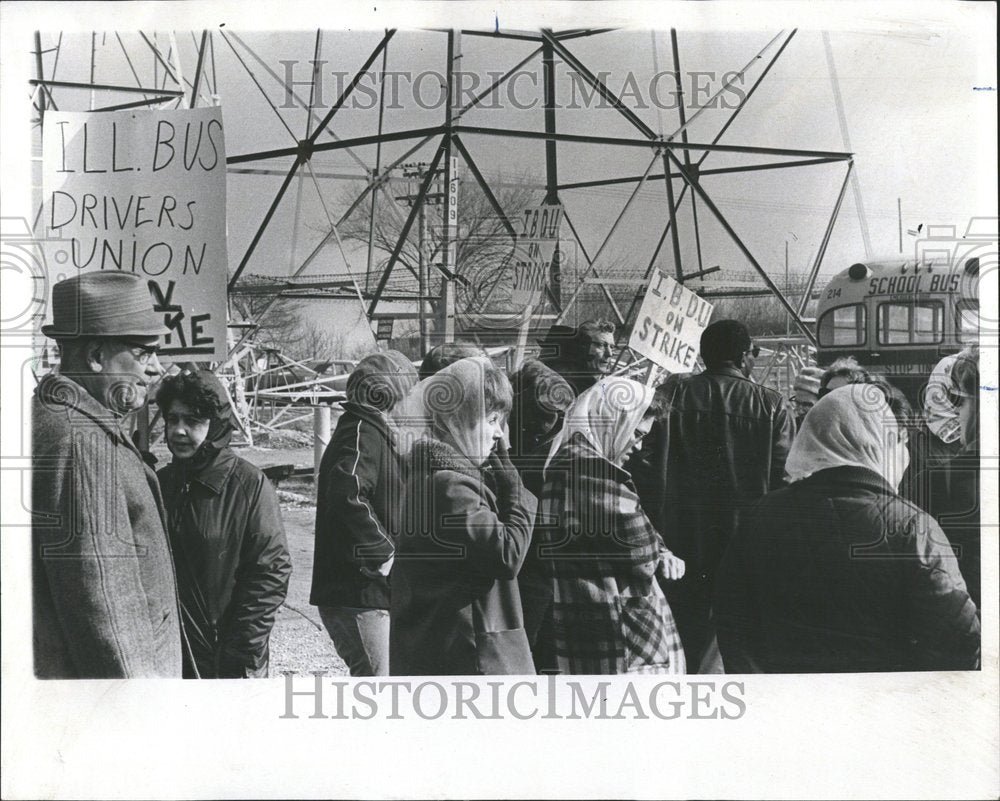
x: 851, y: 426
x: 607, y: 414
x: 446, y: 405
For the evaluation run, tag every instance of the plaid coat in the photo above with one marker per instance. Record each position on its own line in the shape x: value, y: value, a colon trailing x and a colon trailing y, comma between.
x: 609, y: 614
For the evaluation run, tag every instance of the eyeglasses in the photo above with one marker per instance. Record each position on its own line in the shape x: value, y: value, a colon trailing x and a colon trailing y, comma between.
x: 754, y: 351
x: 143, y: 354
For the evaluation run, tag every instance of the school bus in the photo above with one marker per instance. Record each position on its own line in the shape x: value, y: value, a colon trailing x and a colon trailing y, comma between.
x: 898, y: 317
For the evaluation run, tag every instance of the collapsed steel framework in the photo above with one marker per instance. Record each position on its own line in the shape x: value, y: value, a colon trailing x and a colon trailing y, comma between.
x: 679, y: 159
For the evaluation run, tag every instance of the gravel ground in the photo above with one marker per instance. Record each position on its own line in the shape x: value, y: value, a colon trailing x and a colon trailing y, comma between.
x: 299, y: 643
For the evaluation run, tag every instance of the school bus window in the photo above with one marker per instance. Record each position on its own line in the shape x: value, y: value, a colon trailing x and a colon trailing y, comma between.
x: 843, y: 326
x: 967, y: 320
x: 910, y: 323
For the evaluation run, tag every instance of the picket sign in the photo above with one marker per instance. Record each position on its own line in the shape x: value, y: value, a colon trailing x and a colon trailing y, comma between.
x: 144, y: 192
x: 534, y: 250
x: 668, y: 328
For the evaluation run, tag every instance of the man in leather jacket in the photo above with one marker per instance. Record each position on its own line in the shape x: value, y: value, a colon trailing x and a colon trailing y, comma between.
x: 719, y: 445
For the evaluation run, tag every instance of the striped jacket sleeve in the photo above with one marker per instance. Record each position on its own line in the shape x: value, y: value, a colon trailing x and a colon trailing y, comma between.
x: 350, y: 485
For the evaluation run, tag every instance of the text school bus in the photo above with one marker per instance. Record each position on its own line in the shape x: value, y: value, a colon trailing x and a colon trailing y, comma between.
x: 898, y: 317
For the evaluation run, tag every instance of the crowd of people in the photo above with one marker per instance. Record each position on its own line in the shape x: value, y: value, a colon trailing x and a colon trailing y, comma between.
x: 562, y: 519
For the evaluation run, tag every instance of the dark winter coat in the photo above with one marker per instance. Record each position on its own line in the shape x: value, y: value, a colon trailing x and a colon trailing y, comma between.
x: 455, y: 605
x: 104, y: 592
x: 952, y: 492
x: 720, y: 444
x: 232, y: 558
x: 838, y: 573
x: 357, y: 500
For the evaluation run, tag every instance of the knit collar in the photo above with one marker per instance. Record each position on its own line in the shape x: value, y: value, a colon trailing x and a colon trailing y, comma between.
x: 438, y: 455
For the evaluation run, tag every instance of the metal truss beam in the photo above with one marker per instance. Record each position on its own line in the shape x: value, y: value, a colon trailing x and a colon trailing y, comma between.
x: 814, y: 272
x: 104, y: 87
x: 483, y: 130
x: 531, y: 36
x: 720, y: 218
x: 404, y: 233
x: 285, y: 152
x: 594, y: 81
x: 351, y: 86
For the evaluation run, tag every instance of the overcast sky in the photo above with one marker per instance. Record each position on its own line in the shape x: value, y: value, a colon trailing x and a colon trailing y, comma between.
x: 918, y: 100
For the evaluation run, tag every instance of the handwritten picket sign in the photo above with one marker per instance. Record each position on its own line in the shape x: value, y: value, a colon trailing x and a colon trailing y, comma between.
x: 534, y: 252
x: 668, y: 328
x: 144, y: 192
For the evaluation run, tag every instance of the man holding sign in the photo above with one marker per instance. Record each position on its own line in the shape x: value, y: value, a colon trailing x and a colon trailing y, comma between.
x: 720, y: 445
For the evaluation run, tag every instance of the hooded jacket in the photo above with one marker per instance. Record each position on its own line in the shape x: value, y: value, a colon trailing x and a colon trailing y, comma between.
x: 360, y: 488
x: 456, y: 608
x: 230, y: 549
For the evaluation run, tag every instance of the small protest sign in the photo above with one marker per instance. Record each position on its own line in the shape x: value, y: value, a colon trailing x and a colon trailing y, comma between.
x: 536, y: 247
x: 144, y: 192
x: 668, y: 328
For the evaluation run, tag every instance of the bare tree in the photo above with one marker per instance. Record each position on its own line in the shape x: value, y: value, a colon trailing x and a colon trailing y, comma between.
x: 322, y: 344
x: 280, y: 325
x: 483, y: 249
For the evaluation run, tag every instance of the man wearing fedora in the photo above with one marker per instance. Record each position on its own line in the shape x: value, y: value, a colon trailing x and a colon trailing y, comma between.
x: 104, y: 591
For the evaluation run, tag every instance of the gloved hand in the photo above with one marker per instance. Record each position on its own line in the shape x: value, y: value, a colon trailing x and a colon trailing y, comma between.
x: 508, y: 480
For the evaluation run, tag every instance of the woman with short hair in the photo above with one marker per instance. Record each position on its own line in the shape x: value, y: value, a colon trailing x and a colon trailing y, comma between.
x: 226, y: 533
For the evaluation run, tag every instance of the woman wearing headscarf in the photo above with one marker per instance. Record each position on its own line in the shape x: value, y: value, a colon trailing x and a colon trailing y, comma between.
x: 541, y: 397
x: 610, y: 615
x: 952, y: 488
x: 455, y: 606
x: 226, y: 533
x: 837, y: 572
x: 357, y: 496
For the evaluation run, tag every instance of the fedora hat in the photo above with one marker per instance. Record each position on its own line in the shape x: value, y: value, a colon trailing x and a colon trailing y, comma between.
x: 103, y: 304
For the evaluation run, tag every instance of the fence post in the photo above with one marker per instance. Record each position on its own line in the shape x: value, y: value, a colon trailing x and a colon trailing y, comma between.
x: 321, y: 436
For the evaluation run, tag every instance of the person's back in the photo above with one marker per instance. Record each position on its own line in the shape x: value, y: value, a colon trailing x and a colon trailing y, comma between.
x: 719, y: 445
x: 837, y: 573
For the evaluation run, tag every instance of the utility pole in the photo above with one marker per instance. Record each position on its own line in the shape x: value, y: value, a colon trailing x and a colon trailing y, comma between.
x: 422, y: 282
x: 435, y: 196
x: 449, y: 247
x: 788, y: 319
